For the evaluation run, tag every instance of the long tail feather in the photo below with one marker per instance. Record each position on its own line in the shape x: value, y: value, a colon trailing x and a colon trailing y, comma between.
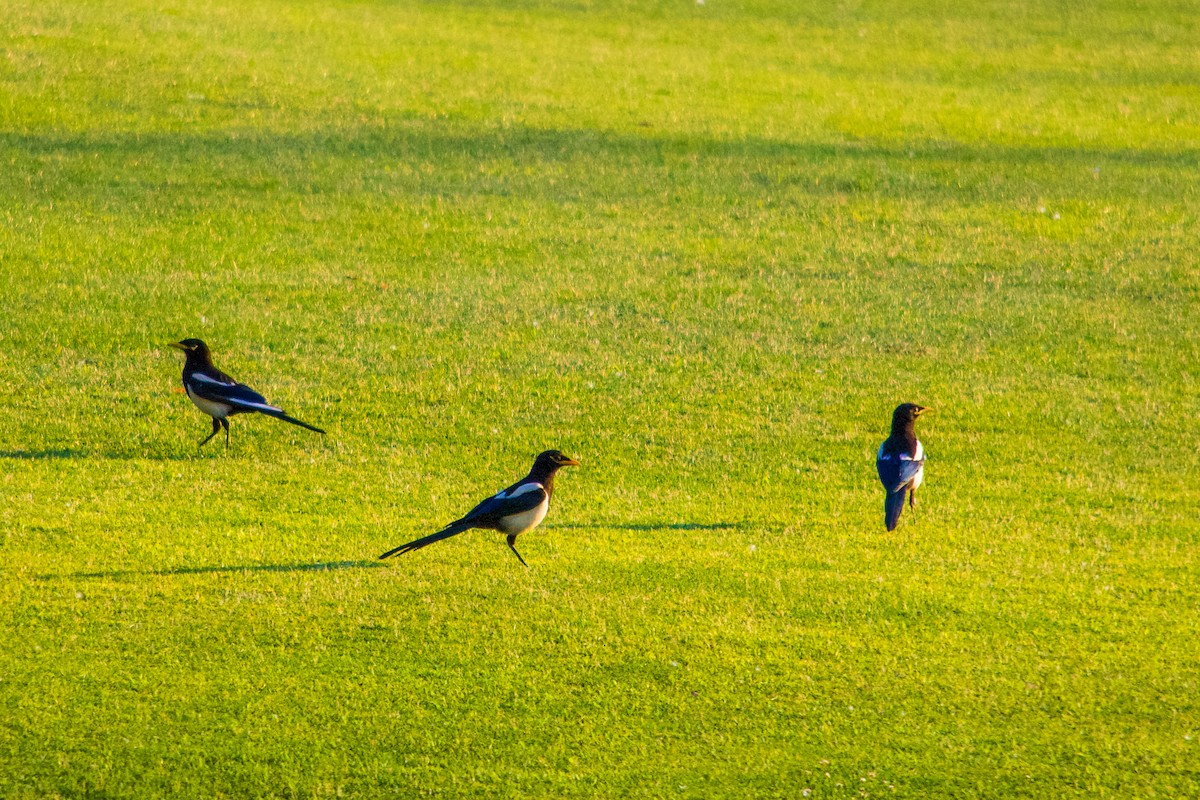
x: 892, y: 508
x: 293, y: 420
x: 452, y: 529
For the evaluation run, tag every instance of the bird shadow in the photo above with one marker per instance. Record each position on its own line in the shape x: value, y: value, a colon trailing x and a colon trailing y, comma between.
x: 39, y: 455
x: 654, y: 526
x: 112, y: 455
x: 323, y: 566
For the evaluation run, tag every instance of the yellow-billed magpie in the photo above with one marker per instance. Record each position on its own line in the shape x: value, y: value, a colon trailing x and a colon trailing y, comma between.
x: 219, y: 395
x: 519, y: 508
x: 901, y: 462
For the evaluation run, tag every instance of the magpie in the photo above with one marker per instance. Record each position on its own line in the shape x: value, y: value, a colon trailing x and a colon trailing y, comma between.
x: 219, y: 395
x: 901, y: 462
x: 519, y: 508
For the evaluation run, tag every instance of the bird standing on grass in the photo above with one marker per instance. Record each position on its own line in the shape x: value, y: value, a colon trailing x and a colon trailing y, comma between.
x: 519, y: 508
x: 901, y: 462
x: 219, y: 395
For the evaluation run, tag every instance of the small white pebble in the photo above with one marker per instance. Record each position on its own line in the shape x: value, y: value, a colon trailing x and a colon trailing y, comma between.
x: 1057, y: 215
x: 1041, y: 209
x: 754, y: 548
x: 79, y: 595
x: 674, y: 663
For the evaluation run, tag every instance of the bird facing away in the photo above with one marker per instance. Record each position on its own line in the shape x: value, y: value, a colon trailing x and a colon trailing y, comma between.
x: 519, y: 508
x: 219, y: 395
x: 901, y: 462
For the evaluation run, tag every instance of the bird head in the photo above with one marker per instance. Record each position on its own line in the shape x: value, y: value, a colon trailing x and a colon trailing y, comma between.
x: 551, y: 460
x: 907, y: 413
x: 196, y: 350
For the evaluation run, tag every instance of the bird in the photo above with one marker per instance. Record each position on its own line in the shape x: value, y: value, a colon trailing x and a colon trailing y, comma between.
x: 219, y: 395
x: 901, y: 462
x: 518, y: 509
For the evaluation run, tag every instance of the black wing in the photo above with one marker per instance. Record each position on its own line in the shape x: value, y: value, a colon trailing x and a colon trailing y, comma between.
x: 492, y: 510
x: 895, y: 473
x: 238, y: 395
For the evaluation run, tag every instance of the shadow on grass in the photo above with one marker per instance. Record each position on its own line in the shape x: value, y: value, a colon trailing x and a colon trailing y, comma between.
x: 653, y: 526
x: 40, y: 455
x: 112, y: 455
x: 952, y: 172
x: 323, y: 566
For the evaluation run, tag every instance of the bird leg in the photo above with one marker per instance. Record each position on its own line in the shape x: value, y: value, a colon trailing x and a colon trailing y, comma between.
x: 912, y: 498
x: 511, y: 541
x: 225, y: 425
x: 216, y: 427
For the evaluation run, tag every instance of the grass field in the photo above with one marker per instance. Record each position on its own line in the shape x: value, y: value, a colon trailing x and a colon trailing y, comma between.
x: 705, y: 249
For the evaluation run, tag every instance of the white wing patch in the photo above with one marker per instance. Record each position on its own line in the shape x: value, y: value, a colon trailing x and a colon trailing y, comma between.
x: 262, y: 406
x: 524, y: 488
x: 202, y: 378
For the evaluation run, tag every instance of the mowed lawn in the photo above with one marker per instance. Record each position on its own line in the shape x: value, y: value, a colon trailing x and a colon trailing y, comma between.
x: 703, y: 248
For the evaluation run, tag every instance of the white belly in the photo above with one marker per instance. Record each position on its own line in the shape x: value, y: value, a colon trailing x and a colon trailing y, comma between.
x: 920, y: 476
x: 218, y: 410
x: 916, y: 481
x: 526, y: 520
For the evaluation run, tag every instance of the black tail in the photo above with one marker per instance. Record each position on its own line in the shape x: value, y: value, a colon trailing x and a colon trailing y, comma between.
x: 893, y: 506
x: 452, y: 529
x: 293, y: 420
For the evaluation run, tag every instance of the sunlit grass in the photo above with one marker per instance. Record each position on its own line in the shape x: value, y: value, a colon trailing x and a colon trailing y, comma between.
x: 705, y: 249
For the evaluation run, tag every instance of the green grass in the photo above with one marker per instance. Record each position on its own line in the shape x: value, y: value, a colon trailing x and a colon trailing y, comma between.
x: 706, y: 250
